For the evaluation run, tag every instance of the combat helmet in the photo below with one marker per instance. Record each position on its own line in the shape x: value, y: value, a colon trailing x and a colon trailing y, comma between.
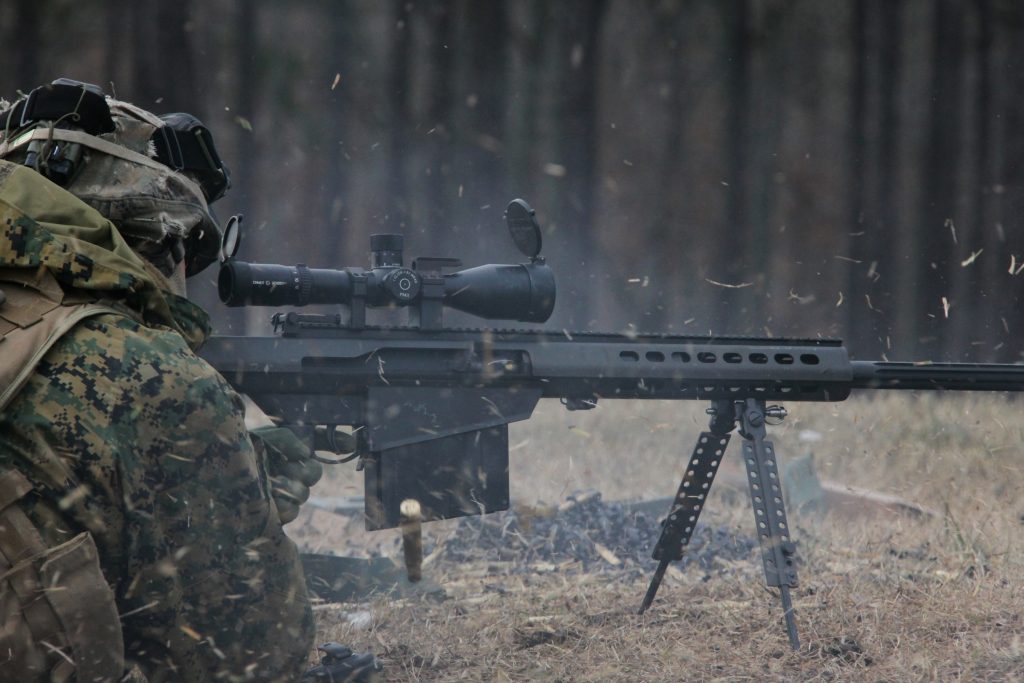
x: 153, y: 176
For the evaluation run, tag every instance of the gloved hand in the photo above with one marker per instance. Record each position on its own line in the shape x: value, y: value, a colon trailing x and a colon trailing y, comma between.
x: 290, y: 467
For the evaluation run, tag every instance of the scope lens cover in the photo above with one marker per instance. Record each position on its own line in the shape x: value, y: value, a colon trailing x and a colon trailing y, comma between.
x: 524, y: 228
x: 231, y: 239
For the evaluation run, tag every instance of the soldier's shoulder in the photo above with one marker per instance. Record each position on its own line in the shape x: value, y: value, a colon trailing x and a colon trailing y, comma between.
x: 123, y: 352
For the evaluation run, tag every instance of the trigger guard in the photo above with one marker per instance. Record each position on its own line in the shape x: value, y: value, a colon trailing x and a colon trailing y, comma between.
x: 332, y: 430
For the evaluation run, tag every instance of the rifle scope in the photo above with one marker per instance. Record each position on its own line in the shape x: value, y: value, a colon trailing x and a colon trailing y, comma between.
x: 522, y: 292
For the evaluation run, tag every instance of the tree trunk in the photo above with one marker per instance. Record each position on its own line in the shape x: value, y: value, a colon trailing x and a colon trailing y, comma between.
x: 976, y: 331
x: 479, y: 104
x: 440, y: 192
x: 943, y: 155
x: 246, y: 144
x: 528, y: 29
x: 145, y: 87
x: 861, y: 226
x: 246, y: 147
x: 579, y: 152
x: 671, y: 252
x: 115, y: 67
x: 176, y: 69
x: 884, y: 282
x: 26, y: 44
x: 727, y: 267
x: 1010, y: 196
x: 400, y: 124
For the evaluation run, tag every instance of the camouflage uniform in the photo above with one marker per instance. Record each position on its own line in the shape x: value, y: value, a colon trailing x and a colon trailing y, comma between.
x: 132, y: 442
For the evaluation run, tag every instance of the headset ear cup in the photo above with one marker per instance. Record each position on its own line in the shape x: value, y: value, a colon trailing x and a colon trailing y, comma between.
x: 184, y: 144
x: 63, y: 104
x: 80, y: 105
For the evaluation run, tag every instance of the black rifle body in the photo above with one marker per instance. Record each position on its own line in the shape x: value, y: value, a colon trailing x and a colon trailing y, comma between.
x: 431, y: 408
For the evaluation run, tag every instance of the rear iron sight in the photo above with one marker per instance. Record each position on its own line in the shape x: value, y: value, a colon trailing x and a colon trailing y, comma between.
x: 522, y: 292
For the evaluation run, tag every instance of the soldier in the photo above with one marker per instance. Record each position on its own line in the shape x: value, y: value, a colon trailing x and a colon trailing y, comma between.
x: 140, y: 525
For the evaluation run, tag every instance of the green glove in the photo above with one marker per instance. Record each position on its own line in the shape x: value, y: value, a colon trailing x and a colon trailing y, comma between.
x: 290, y: 467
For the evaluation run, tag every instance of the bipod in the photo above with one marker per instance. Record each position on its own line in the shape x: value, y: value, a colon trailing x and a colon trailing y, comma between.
x: 777, y: 550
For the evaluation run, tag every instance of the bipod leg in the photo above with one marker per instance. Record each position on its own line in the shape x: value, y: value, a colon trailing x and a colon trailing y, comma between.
x: 693, y: 491
x: 777, y: 550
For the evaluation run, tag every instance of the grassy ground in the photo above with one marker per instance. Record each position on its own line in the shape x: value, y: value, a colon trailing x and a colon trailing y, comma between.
x: 882, y: 598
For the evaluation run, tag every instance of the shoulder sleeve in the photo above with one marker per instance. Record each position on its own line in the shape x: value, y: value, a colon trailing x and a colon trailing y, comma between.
x: 158, y: 465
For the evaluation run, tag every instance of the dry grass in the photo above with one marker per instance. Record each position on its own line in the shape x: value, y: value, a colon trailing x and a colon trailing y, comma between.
x: 887, y: 599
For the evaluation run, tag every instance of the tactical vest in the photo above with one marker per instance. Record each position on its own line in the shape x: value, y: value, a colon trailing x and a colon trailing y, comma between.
x: 58, y: 616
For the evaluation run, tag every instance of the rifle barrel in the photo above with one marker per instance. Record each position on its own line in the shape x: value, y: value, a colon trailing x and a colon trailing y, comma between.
x: 931, y: 376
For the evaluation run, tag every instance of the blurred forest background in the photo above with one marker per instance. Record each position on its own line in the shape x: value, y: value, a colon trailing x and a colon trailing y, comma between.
x: 812, y: 167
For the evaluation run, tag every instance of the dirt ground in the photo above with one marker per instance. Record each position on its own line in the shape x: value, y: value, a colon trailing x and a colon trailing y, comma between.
x: 882, y: 597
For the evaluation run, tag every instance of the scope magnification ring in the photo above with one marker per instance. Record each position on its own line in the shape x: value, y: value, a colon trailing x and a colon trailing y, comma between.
x: 303, y: 284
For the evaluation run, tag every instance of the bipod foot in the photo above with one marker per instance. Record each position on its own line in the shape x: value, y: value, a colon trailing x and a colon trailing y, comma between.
x: 777, y: 550
x: 652, y: 589
x: 787, y: 609
x: 693, y: 491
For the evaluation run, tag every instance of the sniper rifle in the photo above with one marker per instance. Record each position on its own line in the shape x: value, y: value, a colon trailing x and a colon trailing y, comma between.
x: 430, y: 405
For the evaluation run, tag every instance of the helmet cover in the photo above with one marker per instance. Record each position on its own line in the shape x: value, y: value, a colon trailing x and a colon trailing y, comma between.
x: 162, y: 211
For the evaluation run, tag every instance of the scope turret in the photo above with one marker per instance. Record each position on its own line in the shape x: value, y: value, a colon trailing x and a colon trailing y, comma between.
x: 386, y: 250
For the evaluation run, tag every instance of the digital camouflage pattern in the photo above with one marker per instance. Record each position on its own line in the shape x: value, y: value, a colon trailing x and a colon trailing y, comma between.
x: 128, y: 435
x: 43, y: 225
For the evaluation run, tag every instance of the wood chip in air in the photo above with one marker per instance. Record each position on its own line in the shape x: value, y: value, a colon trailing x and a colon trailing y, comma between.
x: 607, y: 555
x: 728, y: 286
x: 970, y: 259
